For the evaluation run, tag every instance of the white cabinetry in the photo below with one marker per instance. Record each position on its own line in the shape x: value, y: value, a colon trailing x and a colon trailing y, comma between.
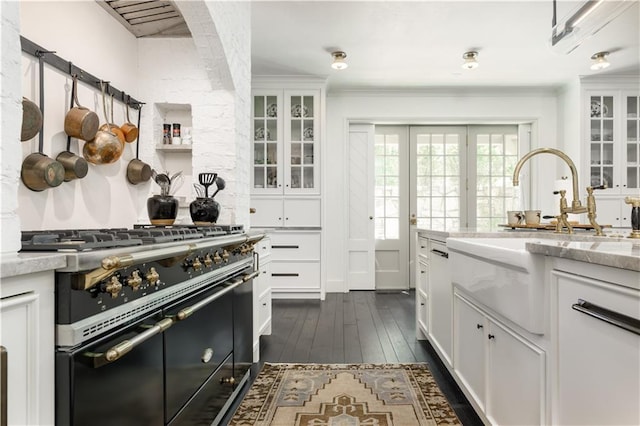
x: 286, y: 142
x: 286, y: 212
x: 27, y: 323
x: 422, y: 289
x: 440, y: 300
x: 611, y: 143
x: 502, y: 372
x: 287, y: 126
x: 598, y: 364
x: 434, y: 296
x: 295, y: 265
x: 262, y: 296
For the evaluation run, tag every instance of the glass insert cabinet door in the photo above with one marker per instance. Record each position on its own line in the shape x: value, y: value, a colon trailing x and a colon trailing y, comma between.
x: 631, y: 151
x: 602, y: 140
x: 302, y: 136
x: 266, y: 157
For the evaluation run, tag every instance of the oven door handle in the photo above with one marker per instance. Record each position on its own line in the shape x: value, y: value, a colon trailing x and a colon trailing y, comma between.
x: 187, y: 312
x: 118, y: 351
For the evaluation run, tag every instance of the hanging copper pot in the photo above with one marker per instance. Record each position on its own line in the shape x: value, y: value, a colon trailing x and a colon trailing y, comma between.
x: 31, y: 120
x: 40, y: 172
x: 80, y: 122
x: 129, y: 129
x: 106, y: 147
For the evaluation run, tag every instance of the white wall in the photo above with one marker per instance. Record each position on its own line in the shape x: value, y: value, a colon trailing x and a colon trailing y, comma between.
x: 539, y: 106
x: 82, y: 32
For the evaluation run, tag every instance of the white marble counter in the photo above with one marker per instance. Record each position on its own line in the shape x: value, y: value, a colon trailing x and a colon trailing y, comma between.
x: 616, y: 254
x: 12, y: 265
x: 613, y: 249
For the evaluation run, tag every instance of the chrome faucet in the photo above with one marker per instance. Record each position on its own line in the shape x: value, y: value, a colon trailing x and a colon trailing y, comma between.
x: 576, y: 205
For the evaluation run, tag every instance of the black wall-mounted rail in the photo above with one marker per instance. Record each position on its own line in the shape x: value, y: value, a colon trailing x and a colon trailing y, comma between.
x: 68, y: 67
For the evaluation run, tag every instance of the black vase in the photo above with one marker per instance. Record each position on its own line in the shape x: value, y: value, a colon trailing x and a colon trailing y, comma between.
x: 162, y: 210
x: 204, y: 211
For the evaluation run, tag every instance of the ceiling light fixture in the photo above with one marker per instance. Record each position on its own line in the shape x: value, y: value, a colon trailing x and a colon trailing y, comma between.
x: 600, y: 61
x: 589, y: 18
x: 338, y: 60
x: 470, y: 60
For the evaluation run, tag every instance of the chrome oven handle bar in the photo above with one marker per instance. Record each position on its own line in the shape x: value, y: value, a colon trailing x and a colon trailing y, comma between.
x: 187, y: 312
x: 118, y: 351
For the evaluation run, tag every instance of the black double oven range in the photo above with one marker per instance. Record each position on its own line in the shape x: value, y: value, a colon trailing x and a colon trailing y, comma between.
x: 153, y: 324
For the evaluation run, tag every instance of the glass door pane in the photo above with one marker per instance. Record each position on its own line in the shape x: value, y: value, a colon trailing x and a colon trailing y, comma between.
x: 602, y: 139
x: 632, y: 151
x: 265, y: 142
x: 303, y: 137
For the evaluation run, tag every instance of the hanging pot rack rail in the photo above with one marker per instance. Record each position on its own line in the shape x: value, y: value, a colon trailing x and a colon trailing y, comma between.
x: 68, y: 67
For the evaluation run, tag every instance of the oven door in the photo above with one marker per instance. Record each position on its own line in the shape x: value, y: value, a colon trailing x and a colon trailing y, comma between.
x: 200, y: 340
x: 126, y: 391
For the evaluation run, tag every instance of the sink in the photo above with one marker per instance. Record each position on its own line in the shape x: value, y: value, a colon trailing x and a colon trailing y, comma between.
x: 502, y: 275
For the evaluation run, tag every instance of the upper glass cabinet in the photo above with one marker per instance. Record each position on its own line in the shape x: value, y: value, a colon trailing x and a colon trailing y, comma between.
x: 614, y: 141
x: 285, y: 142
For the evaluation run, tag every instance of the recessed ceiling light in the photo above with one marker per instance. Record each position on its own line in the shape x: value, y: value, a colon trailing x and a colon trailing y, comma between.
x: 338, y: 60
x: 470, y: 60
x: 600, y: 61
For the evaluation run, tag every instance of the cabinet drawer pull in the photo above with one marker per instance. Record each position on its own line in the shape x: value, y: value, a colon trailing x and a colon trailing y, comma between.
x: 285, y: 247
x: 440, y: 253
x: 603, y: 314
x: 285, y: 274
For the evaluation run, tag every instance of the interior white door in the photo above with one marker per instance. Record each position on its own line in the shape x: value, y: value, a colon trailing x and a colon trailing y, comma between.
x: 360, y: 241
x: 392, y: 207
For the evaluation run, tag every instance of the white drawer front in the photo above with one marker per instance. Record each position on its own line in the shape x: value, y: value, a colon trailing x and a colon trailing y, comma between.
x: 290, y: 276
x: 263, y: 247
x: 264, y: 283
x: 295, y: 246
x: 423, y: 247
x: 264, y: 312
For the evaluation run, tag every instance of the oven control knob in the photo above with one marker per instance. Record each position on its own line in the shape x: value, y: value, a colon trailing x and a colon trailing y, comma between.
x: 134, y: 280
x: 113, y: 286
x: 216, y: 258
x: 208, y: 261
x: 152, y: 276
x: 197, y: 265
x: 225, y: 256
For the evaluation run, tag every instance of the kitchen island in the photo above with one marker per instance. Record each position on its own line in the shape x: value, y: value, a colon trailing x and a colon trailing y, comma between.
x: 580, y: 362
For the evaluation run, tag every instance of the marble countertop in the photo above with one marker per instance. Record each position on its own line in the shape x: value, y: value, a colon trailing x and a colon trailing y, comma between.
x: 617, y: 254
x: 15, y: 264
x: 613, y: 249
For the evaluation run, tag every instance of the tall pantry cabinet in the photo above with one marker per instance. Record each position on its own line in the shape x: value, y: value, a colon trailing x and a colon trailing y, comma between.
x: 287, y: 127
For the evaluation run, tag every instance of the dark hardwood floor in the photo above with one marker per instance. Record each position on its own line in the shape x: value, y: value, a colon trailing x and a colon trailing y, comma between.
x: 355, y: 327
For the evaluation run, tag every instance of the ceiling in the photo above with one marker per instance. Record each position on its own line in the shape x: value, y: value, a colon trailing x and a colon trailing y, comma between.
x: 419, y: 44
x: 410, y: 44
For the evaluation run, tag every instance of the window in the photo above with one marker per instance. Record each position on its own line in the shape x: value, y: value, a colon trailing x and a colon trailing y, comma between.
x: 387, y: 186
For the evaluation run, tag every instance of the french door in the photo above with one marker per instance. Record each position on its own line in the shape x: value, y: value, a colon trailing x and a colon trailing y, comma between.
x: 402, y: 178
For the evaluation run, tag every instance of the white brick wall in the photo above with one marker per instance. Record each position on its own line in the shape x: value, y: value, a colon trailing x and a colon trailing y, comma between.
x: 10, y: 117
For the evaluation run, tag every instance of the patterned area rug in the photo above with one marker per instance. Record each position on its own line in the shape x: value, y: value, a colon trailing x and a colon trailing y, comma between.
x: 344, y: 395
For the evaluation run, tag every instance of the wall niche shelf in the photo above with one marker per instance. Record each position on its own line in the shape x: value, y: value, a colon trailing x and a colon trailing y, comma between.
x: 174, y: 148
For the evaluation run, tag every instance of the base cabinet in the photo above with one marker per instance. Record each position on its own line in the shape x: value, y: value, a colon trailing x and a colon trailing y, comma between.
x: 503, y: 373
x: 598, y: 370
x: 440, y: 300
x: 26, y: 319
x: 295, y: 265
x: 262, y: 296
